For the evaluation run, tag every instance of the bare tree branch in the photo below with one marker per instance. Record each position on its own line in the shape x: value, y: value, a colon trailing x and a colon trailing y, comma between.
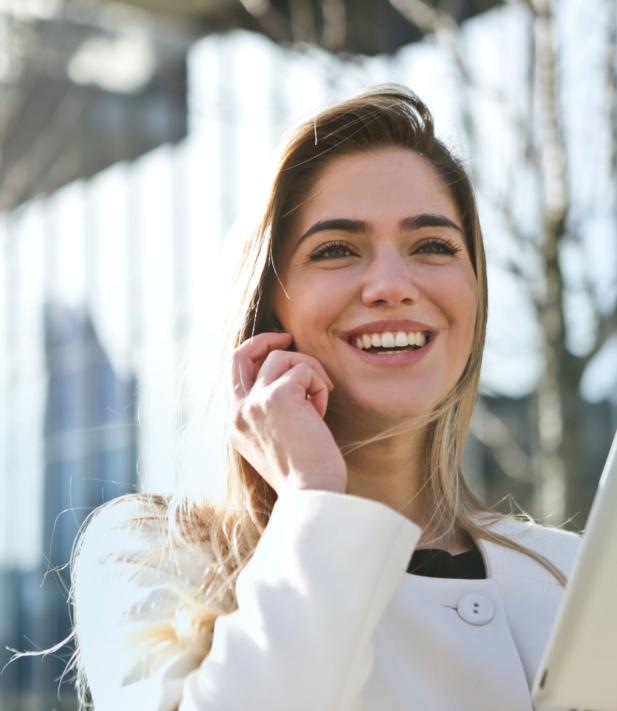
x: 606, y: 329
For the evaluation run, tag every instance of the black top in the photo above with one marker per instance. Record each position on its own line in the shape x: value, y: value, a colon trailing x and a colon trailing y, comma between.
x: 435, y: 563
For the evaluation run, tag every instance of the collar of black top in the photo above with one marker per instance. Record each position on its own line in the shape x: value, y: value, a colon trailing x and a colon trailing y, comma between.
x: 435, y: 563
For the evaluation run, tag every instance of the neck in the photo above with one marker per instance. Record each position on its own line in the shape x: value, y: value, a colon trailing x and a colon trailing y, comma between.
x: 384, y: 462
x: 392, y: 471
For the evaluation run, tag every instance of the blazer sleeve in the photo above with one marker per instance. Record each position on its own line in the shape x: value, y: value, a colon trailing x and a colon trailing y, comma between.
x: 309, y: 602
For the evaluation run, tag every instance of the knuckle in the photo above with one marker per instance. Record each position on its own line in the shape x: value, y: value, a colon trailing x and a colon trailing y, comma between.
x: 275, y: 357
x: 303, y: 369
x: 310, y: 360
x: 253, y: 408
x: 237, y: 422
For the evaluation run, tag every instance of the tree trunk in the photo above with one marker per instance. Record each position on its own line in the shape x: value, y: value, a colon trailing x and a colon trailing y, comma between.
x: 562, y: 493
x: 551, y: 469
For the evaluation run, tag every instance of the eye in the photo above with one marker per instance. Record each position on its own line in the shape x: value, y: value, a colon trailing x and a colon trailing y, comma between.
x: 331, y: 250
x: 437, y: 245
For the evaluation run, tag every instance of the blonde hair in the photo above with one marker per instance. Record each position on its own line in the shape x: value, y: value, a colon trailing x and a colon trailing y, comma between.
x: 389, y: 116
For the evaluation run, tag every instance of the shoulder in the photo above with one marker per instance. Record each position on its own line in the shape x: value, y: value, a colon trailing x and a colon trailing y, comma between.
x: 558, y: 546
x: 134, y: 584
x: 132, y: 534
x: 132, y: 521
x: 118, y: 536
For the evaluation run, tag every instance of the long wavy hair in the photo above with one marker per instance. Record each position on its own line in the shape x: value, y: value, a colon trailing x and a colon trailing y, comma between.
x: 387, y: 116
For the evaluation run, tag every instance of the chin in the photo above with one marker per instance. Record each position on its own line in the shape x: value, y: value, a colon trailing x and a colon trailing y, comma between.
x: 385, y: 408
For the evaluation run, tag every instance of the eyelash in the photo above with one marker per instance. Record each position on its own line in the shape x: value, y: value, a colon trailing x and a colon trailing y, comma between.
x: 445, y: 244
x: 448, y: 248
x: 321, y: 252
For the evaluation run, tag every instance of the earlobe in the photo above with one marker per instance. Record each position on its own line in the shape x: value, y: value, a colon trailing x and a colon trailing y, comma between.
x: 274, y: 325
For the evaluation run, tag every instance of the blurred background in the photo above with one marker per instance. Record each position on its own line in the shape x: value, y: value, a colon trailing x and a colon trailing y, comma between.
x: 131, y: 134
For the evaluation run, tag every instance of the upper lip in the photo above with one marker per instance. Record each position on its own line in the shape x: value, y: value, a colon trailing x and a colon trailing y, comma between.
x: 392, y: 326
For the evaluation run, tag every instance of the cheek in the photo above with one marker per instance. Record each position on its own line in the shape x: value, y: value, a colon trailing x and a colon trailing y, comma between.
x: 457, y: 295
x: 308, y: 304
x: 302, y: 313
x: 465, y: 314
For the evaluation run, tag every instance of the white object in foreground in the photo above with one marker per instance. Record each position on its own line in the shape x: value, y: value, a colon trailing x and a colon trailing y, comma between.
x: 579, y: 667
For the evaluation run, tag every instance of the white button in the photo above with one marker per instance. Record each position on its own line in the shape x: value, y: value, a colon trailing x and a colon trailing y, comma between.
x: 475, y: 609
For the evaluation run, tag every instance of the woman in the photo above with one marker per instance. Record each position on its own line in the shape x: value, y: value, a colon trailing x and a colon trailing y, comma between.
x: 353, y: 365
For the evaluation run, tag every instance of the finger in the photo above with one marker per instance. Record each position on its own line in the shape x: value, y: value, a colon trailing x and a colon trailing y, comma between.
x: 258, y: 347
x: 279, y: 362
x: 247, y: 359
x: 313, y: 385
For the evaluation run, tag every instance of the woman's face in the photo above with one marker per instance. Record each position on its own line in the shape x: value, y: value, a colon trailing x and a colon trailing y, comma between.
x: 377, y: 284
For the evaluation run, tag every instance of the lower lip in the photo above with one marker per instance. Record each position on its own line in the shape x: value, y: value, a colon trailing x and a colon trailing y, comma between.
x: 395, y: 359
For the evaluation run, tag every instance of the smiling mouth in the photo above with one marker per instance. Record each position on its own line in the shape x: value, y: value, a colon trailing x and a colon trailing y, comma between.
x: 390, y: 343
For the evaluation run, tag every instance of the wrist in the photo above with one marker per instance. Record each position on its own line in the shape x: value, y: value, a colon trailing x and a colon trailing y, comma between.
x: 334, y: 483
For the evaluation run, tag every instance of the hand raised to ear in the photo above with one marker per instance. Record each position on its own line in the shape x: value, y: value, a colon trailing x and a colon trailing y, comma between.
x: 278, y: 401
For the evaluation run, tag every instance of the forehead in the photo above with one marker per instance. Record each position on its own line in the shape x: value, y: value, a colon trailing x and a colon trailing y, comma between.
x: 381, y: 185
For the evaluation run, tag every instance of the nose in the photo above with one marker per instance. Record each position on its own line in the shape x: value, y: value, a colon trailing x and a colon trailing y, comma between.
x: 388, y: 281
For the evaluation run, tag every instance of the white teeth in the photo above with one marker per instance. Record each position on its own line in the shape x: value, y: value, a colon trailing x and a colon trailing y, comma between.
x: 390, y: 340
x: 387, y: 340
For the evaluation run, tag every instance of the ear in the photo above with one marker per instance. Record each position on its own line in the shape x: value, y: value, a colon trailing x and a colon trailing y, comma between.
x: 275, y: 325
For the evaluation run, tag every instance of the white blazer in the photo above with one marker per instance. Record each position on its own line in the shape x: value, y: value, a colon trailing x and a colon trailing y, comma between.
x: 328, y: 618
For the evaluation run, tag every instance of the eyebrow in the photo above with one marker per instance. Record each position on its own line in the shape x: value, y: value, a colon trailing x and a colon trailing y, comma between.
x: 419, y: 221
x: 408, y: 224
x: 340, y: 224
